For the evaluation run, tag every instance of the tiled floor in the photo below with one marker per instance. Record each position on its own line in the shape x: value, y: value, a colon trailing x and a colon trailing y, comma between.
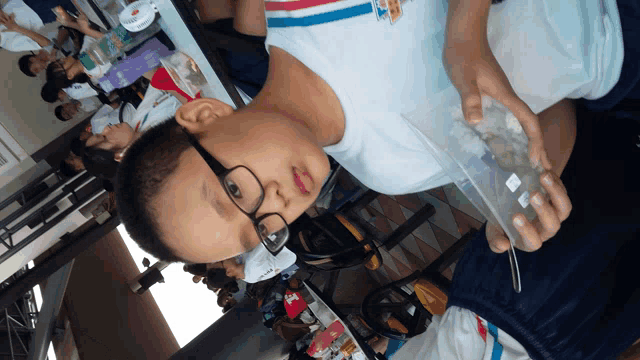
x: 454, y: 217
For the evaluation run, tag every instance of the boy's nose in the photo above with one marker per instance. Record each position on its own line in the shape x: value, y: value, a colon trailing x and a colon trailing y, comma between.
x: 275, y: 201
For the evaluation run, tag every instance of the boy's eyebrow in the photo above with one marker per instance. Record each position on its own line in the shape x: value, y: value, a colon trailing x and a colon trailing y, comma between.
x: 209, y: 196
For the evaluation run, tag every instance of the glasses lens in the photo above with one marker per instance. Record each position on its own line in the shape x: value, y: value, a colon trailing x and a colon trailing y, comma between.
x: 273, y: 231
x: 244, y: 189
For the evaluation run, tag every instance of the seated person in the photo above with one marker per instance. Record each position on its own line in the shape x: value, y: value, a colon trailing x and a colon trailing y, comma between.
x: 71, y: 165
x: 21, y: 26
x: 68, y: 110
x: 70, y: 41
x: 24, y: 30
x: 51, y: 93
x: 111, y: 136
x: 257, y: 265
x: 110, y: 133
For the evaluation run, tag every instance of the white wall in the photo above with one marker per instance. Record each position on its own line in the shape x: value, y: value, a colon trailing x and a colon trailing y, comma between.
x: 24, y: 114
x: 27, y: 117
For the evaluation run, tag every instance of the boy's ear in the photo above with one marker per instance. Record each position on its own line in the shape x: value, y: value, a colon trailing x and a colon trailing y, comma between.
x: 119, y: 155
x: 196, y: 115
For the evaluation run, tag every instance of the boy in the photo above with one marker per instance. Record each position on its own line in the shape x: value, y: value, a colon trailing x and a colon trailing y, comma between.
x: 314, y: 101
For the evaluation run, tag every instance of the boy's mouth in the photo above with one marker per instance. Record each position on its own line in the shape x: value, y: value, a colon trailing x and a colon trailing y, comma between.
x: 304, y: 182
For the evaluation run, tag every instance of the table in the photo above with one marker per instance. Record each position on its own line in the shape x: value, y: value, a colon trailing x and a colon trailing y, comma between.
x: 180, y: 27
x: 174, y: 25
x: 327, y: 313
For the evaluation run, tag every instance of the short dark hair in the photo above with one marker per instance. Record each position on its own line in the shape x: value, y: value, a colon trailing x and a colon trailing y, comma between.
x: 232, y: 287
x: 67, y: 170
x: 77, y: 147
x: 58, y: 112
x: 57, y: 75
x: 100, y: 163
x: 218, y: 279
x: 23, y: 64
x: 196, y: 269
x: 49, y: 92
x: 143, y: 172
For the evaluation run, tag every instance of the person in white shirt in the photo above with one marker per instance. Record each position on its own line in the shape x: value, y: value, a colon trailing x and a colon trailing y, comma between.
x: 156, y: 107
x: 65, y: 72
x: 22, y: 29
x: 68, y: 110
x: 256, y: 265
x: 51, y: 93
x: 342, y: 77
x: 70, y: 42
x: 79, y: 91
x: 20, y: 25
x: 358, y: 119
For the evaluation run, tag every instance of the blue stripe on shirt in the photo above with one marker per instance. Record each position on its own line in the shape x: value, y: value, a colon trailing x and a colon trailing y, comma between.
x: 321, y: 18
x: 496, y: 353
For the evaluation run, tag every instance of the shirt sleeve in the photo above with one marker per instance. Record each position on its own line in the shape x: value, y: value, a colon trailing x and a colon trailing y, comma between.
x: 16, y: 42
x: 452, y: 336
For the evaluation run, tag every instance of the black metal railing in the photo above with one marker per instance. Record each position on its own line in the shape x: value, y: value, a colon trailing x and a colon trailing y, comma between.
x: 86, y: 184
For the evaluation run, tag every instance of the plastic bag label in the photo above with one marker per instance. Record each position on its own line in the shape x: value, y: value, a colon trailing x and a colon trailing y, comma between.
x: 524, y: 200
x: 513, y: 182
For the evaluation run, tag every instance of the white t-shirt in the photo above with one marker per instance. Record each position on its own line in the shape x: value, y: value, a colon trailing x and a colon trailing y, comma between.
x: 260, y: 264
x: 381, y: 70
x: 89, y: 104
x: 104, y: 117
x: 80, y: 91
x: 156, y: 107
x: 460, y: 334
x: 100, y: 70
x: 25, y: 17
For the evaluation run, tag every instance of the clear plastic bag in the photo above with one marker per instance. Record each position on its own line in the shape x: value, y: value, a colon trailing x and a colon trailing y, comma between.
x: 488, y: 161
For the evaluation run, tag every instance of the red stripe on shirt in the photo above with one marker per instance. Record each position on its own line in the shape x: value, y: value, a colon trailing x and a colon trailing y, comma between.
x: 295, y: 5
x: 481, y: 329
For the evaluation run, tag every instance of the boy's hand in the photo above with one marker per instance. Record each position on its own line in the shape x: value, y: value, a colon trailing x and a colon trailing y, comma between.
x: 63, y: 17
x: 83, y: 22
x: 475, y: 72
x: 552, y: 211
x: 9, y: 21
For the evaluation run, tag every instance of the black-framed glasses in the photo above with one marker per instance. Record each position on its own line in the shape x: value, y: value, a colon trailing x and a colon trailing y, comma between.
x: 247, y: 193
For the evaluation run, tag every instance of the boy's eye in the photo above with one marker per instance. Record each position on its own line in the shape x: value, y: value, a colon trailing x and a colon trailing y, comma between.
x: 234, y: 190
x: 264, y: 231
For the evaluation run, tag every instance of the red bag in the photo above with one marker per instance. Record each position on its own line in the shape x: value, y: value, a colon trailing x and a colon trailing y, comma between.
x: 294, y: 304
x: 162, y: 81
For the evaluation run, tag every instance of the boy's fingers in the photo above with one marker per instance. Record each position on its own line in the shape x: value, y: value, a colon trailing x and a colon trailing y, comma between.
x: 558, y: 194
x: 531, y: 240
x: 498, y: 242
x: 504, y: 93
x: 471, y: 102
x: 548, y: 220
x: 499, y: 245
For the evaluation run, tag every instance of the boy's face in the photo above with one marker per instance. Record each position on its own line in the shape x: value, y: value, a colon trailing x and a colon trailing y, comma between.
x: 70, y: 109
x: 62, y: 96
x: 38, y: 64
x: 200, y: 222
x: 113, y: 137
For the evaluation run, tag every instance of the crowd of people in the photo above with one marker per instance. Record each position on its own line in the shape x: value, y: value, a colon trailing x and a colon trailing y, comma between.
x: 117, y: 116
x: 201, y: 183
